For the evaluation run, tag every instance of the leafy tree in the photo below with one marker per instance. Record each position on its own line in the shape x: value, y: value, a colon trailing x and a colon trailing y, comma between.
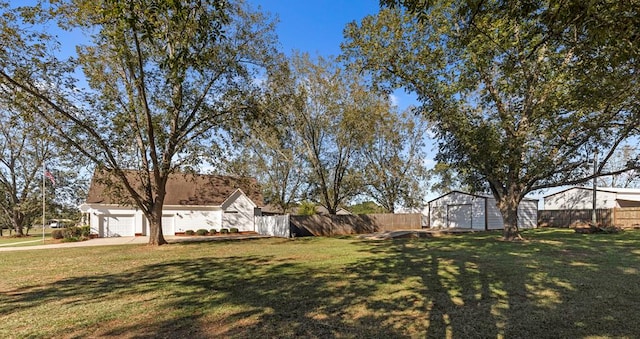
x: 367, y: 207
x: 276, y: 166
x: 518, y: 92
x: 327, y: 113
x: 165, y: 80
x: 445, y: 178
x: 23, y: 149
x: 623, y: 158
x: 330, y: 139
x: 393, y: 160
x: 307, y: 208
x: 272, y: 151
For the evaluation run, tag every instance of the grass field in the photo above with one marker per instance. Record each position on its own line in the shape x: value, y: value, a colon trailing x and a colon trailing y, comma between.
x: 34, y: 238
x: 558, y: 284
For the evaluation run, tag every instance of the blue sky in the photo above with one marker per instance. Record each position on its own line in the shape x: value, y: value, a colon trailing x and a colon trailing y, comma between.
x: 315, y: 26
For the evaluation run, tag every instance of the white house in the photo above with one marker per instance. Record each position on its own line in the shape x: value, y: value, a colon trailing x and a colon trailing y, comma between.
x: 465, y: 210
x: 579, y: 198
x: 192, y: 202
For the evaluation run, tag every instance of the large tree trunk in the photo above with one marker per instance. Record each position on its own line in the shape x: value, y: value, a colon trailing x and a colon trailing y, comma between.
x: 18, y: 220
x: 156, y: 237
x: 508, y: 207
x: 19, y: 231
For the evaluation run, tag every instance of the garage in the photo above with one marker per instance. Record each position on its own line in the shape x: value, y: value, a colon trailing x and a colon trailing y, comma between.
x: 118, y: 226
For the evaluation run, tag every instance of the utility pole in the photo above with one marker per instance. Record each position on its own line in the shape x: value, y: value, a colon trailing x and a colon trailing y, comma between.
x: 44, y: 220
x: 595, y: 186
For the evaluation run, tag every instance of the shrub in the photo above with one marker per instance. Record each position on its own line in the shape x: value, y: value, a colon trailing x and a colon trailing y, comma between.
x: 224, y: 230
x: 201, y: 231
x: 85, y: 231
x: 233, y: 230
x: 213, y: 231
x: 189, y: 232
x: 72, y: 232
x: 57, y: 234
x: 307, y: 208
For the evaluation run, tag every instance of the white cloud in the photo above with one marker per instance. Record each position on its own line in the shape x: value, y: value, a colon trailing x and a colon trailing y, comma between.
x: 393, y: 99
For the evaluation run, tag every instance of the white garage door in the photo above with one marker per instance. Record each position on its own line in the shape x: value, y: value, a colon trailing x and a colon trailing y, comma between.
x: 118, y: 226
x: 459, y: 216
x: 167, y: 225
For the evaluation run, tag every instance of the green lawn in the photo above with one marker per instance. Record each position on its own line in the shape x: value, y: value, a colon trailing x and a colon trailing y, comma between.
x: 34, y: 238
x: 557, y: 284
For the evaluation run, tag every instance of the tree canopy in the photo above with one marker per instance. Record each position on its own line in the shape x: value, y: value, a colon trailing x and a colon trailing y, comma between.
x: 165, y: 82
x: 331, y: 139
x: 518, y: 93
x: 393, y: 160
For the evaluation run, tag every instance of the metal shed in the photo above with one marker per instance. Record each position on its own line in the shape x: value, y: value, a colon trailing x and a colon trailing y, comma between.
x: 476, y: 211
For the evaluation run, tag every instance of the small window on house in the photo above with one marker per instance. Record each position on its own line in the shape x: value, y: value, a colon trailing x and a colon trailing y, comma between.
x: 230, y: 211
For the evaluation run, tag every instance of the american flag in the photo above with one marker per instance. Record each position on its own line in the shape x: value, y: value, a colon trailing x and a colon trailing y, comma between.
x: 49, y: 176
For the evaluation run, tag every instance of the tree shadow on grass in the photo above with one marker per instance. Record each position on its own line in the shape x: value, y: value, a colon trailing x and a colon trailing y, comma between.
x: 554, y: 285
x: 462, y: 286
x: 211, y: 297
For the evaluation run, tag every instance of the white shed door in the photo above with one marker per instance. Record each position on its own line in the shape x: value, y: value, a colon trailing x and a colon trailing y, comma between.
x: 459, y: 216
x: 167, y: 225
x: 119, y: 226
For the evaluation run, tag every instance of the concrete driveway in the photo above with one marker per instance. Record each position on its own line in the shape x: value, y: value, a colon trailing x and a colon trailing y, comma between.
x: 127, y: 241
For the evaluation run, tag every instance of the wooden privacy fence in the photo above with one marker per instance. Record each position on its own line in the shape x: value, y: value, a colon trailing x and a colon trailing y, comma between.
x: 567, y: 218
x: 623, y: 217
x: 626, y: 217
x: 328, y: 225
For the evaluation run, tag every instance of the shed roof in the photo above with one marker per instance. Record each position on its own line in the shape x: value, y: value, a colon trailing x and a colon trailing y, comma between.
x: 600, y: 189
x: 182, y: 189
x: 481, y: 195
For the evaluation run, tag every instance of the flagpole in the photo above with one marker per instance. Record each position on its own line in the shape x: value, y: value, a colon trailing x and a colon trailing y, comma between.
x: 43, y: 199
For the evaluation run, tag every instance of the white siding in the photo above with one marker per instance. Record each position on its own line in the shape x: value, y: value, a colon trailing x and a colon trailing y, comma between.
x: 578, y: 198
x: 175, y: 219
x: 438, y: 216
x: 494, y: 217
x: 140, y: 223
x: 528, y: 214
x: 446, y: 211
x: 195, y: 218
x: 238, y: 213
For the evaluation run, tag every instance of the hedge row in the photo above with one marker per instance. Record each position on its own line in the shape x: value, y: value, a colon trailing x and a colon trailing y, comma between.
x: 212, y: 231
x: 75, y: 233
